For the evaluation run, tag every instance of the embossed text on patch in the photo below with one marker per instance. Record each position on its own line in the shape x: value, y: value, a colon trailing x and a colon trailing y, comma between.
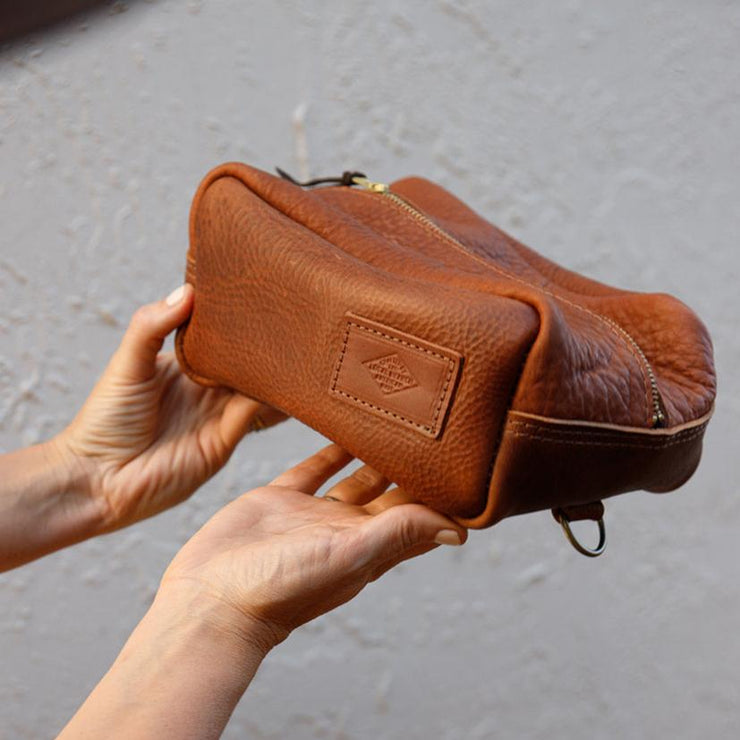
x: 393, y: 374
x: 390, y: 373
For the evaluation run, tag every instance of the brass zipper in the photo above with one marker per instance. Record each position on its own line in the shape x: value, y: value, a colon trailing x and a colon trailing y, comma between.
x: 658, y: 418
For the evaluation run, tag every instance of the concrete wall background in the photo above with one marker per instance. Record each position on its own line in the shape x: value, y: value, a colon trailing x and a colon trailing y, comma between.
x: 604, y: 134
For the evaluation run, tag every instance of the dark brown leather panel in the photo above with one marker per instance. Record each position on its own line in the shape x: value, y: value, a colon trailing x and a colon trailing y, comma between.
x: 545, y: 464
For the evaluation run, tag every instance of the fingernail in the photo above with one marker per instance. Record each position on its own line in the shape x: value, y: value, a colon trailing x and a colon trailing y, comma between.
x: 175, y: 296
x: 448, y: 537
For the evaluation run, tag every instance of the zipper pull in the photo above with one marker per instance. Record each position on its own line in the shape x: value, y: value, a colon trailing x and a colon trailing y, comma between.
x: 373, y: 187
x: 347, y: 178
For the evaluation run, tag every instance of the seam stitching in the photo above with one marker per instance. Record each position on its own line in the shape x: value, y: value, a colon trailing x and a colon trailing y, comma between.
x: 546, y: 436
x: 586, y: 443
x: 567, y: 433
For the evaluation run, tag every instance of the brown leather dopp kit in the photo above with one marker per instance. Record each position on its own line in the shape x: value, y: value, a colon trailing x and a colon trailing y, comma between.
x: 482, y: 378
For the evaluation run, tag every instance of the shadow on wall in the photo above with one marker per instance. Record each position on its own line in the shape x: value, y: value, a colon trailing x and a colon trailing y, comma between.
x: 19, y: 17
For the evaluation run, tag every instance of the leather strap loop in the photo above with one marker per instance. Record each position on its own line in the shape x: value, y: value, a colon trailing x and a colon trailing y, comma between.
x: 578, y: 512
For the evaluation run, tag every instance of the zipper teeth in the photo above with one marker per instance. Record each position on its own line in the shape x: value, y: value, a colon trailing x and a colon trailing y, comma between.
x: 658, y: 418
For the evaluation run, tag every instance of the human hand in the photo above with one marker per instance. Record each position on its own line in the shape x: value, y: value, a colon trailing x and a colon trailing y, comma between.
x: 147, y: 437
x: 266, y: 563
x: 278, y: 556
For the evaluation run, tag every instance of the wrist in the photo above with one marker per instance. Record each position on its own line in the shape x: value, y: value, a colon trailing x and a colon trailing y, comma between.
x: 75, y: 482
x: 69, y: 470
x: 77, y: 477
x: 190, y: 608
x: 43, y: 484
x: 195, y: 648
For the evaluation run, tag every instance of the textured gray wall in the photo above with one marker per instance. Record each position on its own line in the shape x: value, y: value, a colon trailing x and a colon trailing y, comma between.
x: 604, y: 134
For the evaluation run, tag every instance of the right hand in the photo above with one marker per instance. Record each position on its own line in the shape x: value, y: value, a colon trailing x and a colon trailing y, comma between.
x: 278, y: 556
x: 148, y: 436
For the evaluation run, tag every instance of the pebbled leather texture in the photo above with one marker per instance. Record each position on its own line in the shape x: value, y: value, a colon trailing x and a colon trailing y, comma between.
x: 481, y: 377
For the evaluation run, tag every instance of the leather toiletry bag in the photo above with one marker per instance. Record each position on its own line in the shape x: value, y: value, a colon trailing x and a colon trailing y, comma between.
x: 481, y: 377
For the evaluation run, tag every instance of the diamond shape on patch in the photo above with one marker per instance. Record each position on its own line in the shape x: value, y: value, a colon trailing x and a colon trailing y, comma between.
x: 390, y: 373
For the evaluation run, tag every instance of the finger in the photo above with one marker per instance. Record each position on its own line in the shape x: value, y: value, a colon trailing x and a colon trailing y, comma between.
x: 136, y: 357
x: 394, y: 531
x: 242, y: 415
x: 308, y: 476
x: 394, y: 497
x: 266, y: 417
x: 362, y: 486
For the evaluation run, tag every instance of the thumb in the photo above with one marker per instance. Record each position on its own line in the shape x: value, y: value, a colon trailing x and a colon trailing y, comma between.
x: 137, y: 354
x: 399, y: 529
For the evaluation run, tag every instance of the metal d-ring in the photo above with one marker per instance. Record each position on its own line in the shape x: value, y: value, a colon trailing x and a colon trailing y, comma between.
x: 588, y: 552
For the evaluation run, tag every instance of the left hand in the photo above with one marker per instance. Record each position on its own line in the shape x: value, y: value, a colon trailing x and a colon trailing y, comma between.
x: 147, y: 437
x: 278, y: 556
x: 265, y: 564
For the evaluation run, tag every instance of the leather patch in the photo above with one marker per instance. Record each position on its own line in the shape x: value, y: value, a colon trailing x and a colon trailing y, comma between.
x: 395, y: 375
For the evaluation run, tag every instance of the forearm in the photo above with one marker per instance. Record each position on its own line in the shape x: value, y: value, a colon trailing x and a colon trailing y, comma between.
x: 45, y: 504
x: 180, y: 674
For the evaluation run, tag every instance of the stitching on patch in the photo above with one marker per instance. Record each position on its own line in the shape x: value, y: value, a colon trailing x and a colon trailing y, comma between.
x: 338, y: 366
x: 385, y: 411
x: 400, y: 341
x: 441, y: 396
